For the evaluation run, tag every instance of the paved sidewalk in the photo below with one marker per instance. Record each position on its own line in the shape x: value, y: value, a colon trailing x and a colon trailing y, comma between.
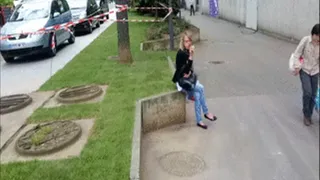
x: 259, y: 134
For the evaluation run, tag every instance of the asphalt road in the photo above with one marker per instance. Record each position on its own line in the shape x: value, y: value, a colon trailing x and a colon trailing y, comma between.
x: 29, y: 73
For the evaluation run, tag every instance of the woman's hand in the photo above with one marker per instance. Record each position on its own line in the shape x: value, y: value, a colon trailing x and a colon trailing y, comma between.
x: 187, y: 75
x: 191, y: 52
x: 296, y: 71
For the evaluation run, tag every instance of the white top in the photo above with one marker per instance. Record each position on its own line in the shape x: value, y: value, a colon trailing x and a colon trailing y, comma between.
x: 191, y: 2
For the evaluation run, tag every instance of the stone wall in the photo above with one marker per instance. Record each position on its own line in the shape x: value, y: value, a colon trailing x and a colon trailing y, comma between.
x: 164, y: 44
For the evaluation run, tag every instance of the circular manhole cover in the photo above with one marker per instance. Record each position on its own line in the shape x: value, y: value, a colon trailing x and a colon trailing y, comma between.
x: 79, y: 93
x: 48, y: 138
x: 14, y: 102
x: 182, y: 164
x: 216, y: 62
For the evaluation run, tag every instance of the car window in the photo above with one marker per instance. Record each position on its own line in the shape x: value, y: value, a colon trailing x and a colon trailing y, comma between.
x: 62, y: 9
x: 57, y: 6
x: 77, y: 4
x: 93, y: 3
x: 28, y: 11
x: 65, y: 5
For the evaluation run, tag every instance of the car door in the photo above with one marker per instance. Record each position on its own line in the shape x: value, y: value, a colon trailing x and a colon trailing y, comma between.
x: 56, y: 18
x: 66, y: 17
x: 93, y: 9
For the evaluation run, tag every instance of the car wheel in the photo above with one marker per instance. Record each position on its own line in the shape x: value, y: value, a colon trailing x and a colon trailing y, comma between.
x: 102, y: 19
x: 90, y: 29
x: 52, y: 45
x: 98, y: 24
x: 72, y: 38
x: 8, y: 59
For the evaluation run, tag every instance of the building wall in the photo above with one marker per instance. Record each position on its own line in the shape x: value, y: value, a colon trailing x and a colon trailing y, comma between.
x: 288, y: 18
x: 291, y: 18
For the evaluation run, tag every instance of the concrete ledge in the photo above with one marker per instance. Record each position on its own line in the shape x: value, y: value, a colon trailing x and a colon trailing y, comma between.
x: 151, y: 114
x: 164, y: 44
x: 163, y: 110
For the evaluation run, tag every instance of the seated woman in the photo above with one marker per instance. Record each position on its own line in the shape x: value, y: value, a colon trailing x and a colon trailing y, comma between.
x: 184, y: 69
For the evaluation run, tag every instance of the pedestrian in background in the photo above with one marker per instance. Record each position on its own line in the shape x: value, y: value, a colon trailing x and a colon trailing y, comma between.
x: 192, y: 7
x: 306, y: 64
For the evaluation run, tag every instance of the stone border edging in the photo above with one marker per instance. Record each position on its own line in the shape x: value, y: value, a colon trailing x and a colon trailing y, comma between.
x: 136, y: 144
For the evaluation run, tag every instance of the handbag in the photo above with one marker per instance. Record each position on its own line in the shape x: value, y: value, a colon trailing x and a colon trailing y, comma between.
x: 292, y: 61
x: 317, y: 100
x: 188, y: 83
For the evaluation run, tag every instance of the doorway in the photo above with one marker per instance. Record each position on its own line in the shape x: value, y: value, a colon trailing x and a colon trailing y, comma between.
x: 252, y: 14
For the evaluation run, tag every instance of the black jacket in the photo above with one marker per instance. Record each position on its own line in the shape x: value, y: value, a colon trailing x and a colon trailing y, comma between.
x: 183, y: 65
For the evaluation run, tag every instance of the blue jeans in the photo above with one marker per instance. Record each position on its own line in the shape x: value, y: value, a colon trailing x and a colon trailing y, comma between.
x: 309, y: 89
x: 200, y: 102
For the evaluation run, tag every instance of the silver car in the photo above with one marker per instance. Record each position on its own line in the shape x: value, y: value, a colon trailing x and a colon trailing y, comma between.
x: 30, y: 16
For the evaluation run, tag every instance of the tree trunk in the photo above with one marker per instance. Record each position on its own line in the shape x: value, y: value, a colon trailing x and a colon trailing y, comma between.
x: 123, y: 35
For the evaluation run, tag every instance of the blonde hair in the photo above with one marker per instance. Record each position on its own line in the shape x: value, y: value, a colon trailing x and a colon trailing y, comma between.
x: 183, y: 35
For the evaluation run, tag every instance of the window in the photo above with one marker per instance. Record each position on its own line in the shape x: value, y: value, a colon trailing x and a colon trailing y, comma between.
x: 57, y: 7
x: 28, y: 11
x: 62, y: 9
x: 65, y: 5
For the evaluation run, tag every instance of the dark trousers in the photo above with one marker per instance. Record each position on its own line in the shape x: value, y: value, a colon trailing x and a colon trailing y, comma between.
x: 192, y: 10
x: 309, y: 88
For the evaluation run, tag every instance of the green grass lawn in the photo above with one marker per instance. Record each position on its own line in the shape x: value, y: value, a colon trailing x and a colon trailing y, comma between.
x: 107, y: 154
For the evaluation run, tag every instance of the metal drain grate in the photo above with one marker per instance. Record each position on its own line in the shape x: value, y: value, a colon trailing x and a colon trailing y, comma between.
x: 182, y: 164
x: 216, y: 62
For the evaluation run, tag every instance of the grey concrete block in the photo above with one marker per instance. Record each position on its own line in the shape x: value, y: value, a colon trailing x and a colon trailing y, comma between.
x: 163, y: 110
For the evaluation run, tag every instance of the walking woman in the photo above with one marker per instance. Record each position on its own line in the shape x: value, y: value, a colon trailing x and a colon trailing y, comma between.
x: 308, y: 69
x: 184, y: 71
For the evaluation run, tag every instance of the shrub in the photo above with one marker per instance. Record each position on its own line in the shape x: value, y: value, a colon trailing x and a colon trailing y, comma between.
x: 155, y: 3
x: 159, y: 30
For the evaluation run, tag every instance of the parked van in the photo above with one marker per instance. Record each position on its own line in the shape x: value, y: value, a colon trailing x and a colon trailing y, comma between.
x: 31, y: 16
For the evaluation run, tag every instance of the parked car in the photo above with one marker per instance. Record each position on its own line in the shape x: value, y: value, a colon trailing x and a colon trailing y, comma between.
x: 81, y: 9
x: 31, y: 16
x: 104, y: 7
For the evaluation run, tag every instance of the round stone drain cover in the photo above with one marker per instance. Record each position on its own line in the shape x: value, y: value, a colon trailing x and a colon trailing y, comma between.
x: 48, y: 138
x: 182, y: 164
x: 14, y: 102
x: 79, y: 93
x: 216, y: 62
